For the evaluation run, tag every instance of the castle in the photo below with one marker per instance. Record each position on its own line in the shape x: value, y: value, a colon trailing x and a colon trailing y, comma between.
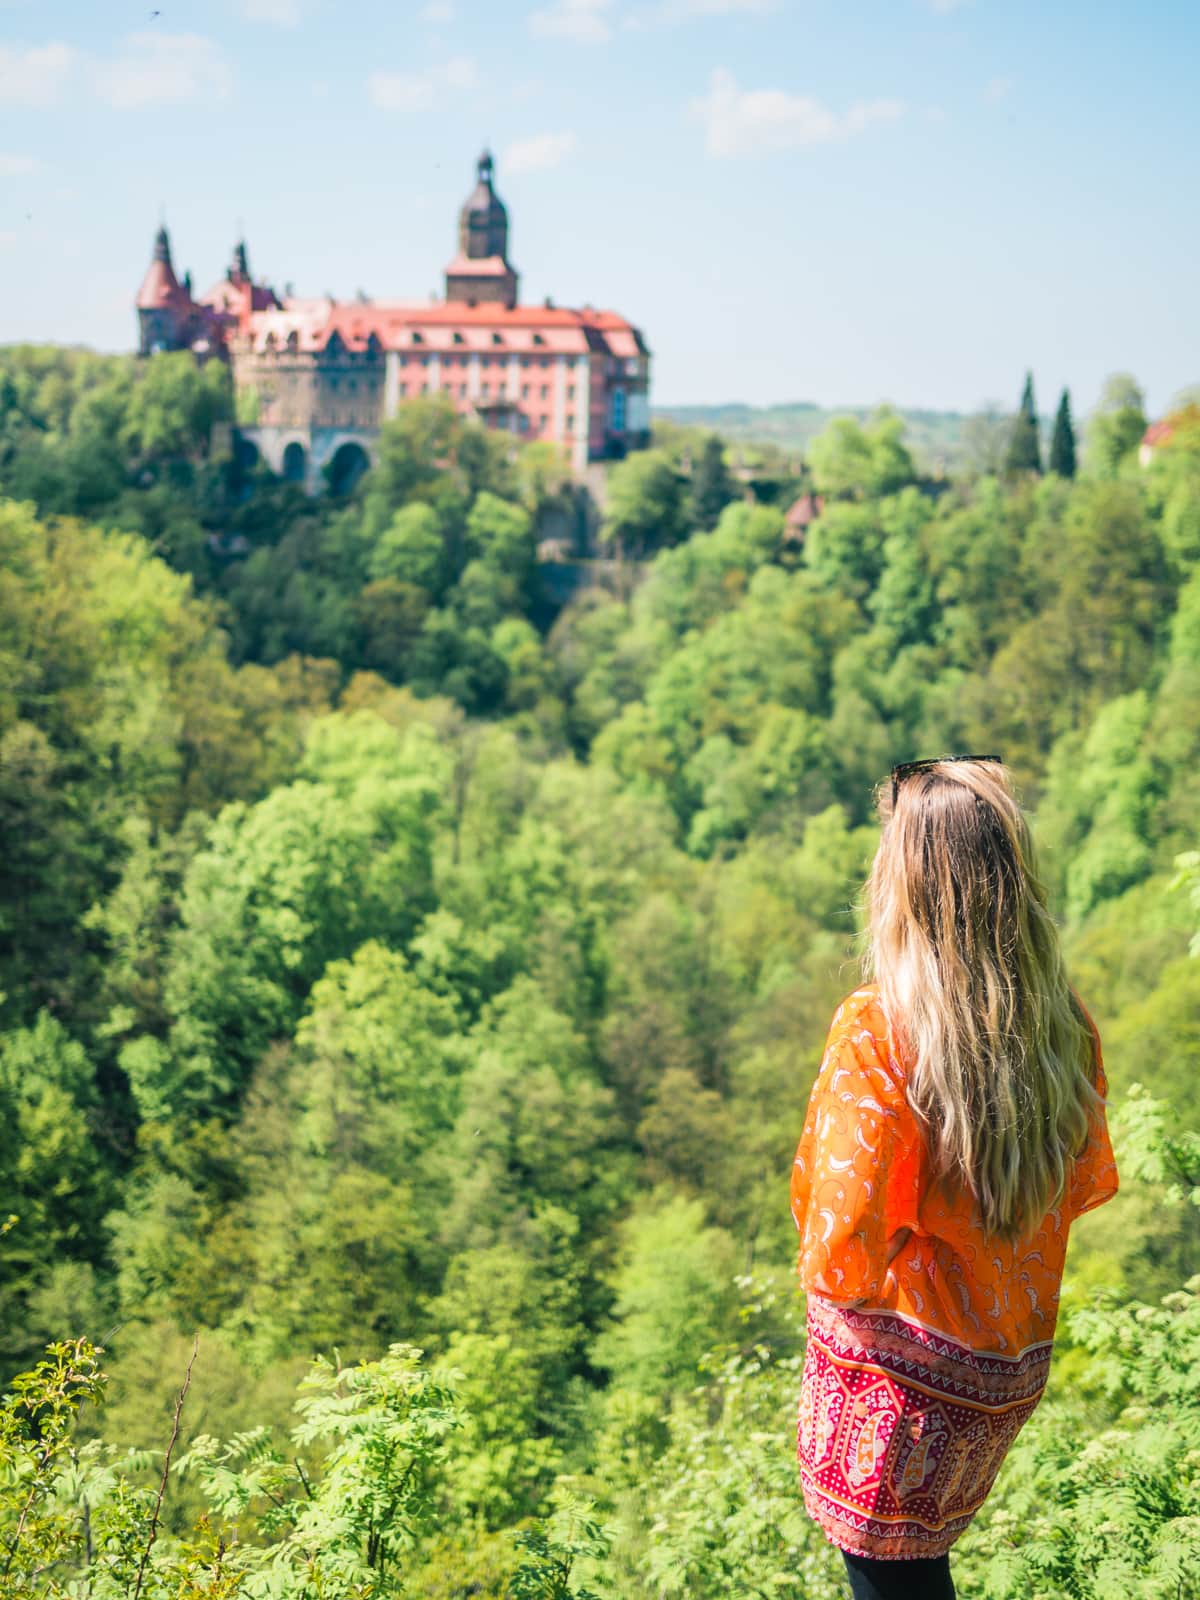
x: 315, y: 379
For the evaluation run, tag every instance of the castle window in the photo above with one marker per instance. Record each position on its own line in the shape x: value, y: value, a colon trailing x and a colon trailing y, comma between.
x: 570, y: 423
x: 542, y: 421
x: 524, y: 391
x: 571, y: 391
x: 545, y: 391
x: 486, y: 391
x: 618, y: 410
x: 523, y: 422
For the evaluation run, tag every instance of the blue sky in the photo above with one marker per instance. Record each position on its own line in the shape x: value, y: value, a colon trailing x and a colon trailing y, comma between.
x: 834, y: 200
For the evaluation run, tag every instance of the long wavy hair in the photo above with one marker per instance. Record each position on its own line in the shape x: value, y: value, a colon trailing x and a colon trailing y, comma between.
x: 997, y: 1047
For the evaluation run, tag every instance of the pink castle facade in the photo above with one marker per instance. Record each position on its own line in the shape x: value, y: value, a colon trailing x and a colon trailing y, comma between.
x: 316, y: 379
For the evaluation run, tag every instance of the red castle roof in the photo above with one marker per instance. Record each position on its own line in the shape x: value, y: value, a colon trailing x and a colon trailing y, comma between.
x: 439, y: 327
x: 1158, y: 432
x: 160, y: 289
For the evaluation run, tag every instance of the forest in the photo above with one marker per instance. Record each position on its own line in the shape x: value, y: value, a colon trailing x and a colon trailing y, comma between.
x: 410, y: 991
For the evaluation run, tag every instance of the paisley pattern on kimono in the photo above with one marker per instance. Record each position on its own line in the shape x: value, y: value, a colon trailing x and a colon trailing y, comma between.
x: 898, y: 1450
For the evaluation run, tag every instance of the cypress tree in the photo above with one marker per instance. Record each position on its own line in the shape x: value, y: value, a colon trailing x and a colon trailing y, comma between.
x: 1024, y: 449
x: 712, y: 486
x: 1062, y: 445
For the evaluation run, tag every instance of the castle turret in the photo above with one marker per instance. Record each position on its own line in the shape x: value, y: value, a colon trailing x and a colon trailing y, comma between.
x: 162, y: 305
x: 481, y: 272
x: 239, y: 267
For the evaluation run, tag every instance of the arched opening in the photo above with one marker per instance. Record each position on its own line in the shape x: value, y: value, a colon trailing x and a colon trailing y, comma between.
x: 349, y: 463
x: 245, y: 453
x: 295, y: 463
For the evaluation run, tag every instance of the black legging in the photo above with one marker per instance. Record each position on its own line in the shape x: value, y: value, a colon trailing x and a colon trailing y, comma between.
x: 923, y: 1579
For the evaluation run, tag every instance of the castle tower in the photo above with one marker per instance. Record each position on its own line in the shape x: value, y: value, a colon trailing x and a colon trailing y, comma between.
x: 239, y: 266
x: 162, y: 305
x: 480, y: 273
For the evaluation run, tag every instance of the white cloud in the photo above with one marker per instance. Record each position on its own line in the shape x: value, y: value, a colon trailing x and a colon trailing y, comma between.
x: 945, y: 7
x: 280, y: 13
x: 17, y: 166
x: 163, y: 69
x: 688, y: 10
x: 998, y: 89
x: 539, y: 152
x: 34, y: 77
x: 866, y: 113
x: 741, y: 122
x: 438, y: 13
x: 675, y: 13
x: 418, y: 91
x: 460, y: 73
x: 585, y: 21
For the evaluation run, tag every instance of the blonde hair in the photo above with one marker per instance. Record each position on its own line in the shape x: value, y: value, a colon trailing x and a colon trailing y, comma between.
x: 998, y: 1048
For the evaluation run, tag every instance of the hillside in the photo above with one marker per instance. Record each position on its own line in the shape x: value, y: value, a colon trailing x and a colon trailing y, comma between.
x: 935, y: 437
x: 410, y: 996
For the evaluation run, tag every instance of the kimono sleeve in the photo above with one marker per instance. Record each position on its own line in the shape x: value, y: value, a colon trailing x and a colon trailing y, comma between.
x: 1093, y: 1178
x: 854, y: 1178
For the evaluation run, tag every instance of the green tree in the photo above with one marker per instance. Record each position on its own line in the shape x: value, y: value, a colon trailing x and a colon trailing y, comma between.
x: 411, y: 548
x: 849, y: 461
x: 54, y: 1180
x: 645, y: 504
x: 1116, y: 427
x: 1062, y: 443
x: 712, y: 487
x: 673, y: 1288
x: 280, y: 890
x: 1024, y: 445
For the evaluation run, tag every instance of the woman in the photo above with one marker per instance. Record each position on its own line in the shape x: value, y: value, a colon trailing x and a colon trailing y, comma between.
x: 955, y: 1129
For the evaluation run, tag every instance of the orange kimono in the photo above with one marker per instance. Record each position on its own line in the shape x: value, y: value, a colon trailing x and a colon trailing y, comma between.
x: 918, y: 1374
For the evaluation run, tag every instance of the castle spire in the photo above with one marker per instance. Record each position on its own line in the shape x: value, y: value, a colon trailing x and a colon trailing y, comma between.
x: 239, y: 267
x: 160, y: 287
x: 483, y: 221
x: 481, y: 271
x: 162, y: 306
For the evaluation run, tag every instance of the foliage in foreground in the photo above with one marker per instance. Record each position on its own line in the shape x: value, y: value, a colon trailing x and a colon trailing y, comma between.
x: 355, y: 1500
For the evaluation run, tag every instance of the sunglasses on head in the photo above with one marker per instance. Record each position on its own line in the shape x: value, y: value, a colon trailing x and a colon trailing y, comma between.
x: 907, y: 768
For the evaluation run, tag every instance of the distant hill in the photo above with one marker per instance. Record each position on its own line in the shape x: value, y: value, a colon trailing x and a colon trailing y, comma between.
x: 935, y: 437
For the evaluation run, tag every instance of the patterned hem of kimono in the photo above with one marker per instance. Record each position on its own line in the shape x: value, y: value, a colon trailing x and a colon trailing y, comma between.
x: 902, y: 1429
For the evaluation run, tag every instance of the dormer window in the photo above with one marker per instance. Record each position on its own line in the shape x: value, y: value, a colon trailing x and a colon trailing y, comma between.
x: 458, y: 338
x: 497, y: 338
x: 537, y: 339
x: 293, y: 341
